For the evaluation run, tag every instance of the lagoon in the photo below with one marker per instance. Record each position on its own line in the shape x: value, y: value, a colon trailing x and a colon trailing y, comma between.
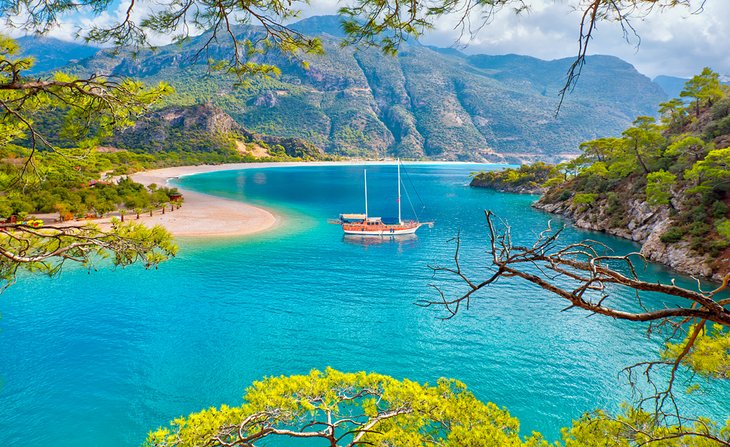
x: 99, y: 358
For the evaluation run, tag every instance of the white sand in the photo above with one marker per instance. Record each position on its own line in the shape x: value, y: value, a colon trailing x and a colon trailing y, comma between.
x: 203, y: 215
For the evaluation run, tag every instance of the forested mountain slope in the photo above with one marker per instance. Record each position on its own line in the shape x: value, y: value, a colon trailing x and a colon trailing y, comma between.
x: 205, y: 129
x: 424, y: 103
x: 50, y: 53
x: 663, y: 184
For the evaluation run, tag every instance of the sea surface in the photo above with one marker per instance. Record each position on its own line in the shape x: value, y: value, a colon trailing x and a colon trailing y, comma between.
x: 99, y: 358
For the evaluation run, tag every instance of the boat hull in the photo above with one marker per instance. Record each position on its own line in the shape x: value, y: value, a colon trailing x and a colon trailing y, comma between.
x: 387, y: 231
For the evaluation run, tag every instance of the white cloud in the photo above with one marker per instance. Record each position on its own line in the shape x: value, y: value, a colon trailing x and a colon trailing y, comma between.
x: 673, y: 41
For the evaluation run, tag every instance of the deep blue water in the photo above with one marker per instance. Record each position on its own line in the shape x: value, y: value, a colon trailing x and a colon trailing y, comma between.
x: 99, y: 358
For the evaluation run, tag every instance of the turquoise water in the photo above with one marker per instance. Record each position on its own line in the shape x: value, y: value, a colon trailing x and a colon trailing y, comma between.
x: 100, y: 358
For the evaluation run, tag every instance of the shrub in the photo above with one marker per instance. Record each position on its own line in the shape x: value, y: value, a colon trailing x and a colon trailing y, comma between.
x: 674, y: 234
x: 658, y: 187
x: 723, y: 228
x: 720, y: 109
x: 614, y: 203
x: 584, y: 199
x: 698, y: 213
x: 699, y: 229
x: 719, y: 210
x: 717, y: 246
x: 555, y: 181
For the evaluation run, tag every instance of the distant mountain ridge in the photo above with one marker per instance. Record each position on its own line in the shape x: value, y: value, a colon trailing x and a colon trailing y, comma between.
x: 50, y: 53
x: 425, y: 103
x: 671, y: 85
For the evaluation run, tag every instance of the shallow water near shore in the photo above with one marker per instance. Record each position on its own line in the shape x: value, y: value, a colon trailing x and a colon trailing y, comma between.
x: 100, y: 358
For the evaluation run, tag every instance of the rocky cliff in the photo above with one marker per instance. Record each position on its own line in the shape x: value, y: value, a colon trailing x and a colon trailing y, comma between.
x: 623, y: 213
x: 207, y: 128
x: 643, y: 224
x: 424, y: 103
x: 664, y: 184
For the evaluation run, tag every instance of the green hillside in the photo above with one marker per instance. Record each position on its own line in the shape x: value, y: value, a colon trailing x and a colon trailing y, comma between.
x: 424, y: 103
x: 663, y: 184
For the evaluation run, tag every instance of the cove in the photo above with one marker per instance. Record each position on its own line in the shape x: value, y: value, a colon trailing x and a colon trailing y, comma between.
x: 100, y: 358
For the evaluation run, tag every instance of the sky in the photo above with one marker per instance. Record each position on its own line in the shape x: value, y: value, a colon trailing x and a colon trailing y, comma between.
x: 677, y: 41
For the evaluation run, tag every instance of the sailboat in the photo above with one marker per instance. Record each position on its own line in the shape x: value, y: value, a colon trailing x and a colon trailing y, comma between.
x: 365, y: 225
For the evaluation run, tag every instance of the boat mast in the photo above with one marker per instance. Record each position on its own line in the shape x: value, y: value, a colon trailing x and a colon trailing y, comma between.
x: 400, y: 222
x: 365, y: 175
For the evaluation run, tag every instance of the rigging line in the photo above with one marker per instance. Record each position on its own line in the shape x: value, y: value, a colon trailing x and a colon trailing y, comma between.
x: 423, y: 205
x: 408, y: 196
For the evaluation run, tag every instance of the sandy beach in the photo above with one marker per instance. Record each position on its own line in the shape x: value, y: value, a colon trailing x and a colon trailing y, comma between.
x: 204, y: 215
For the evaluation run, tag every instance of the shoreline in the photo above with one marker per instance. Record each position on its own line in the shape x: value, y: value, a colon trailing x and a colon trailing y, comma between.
x: 204, y: 215
x: 184, y: 171
x: 208, y: 216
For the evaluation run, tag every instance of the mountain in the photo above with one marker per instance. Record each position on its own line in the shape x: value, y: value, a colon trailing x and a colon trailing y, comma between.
x: 424, y: 103
x: 205, y: 128
x: 51, y: 53
x: 671, y: 85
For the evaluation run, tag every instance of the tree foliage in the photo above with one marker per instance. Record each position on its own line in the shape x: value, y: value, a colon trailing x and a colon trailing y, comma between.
x: 45, y: 250
x: 92, y: 108
x: 659, y: 187
x: 349, y: 409
x: 713, y: 172
x: 704, y: 89
x: 645, y: 141
x: 710, y: 352
x: 681, y: 164
x: 526, y: 178
x: 636, y: 427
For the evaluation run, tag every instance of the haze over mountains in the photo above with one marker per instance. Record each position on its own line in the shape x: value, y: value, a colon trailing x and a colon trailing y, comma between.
x: 50, y: 53
x: 424, y: 103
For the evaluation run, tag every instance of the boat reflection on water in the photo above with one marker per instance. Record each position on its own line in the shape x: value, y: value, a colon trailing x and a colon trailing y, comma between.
x: 403, y: 240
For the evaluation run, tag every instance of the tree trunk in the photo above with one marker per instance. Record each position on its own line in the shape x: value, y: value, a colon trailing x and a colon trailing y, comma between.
x: 638, y: 157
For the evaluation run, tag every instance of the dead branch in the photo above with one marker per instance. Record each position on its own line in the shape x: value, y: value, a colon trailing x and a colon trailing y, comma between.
x: 584, y: 265
x: 585, y: 276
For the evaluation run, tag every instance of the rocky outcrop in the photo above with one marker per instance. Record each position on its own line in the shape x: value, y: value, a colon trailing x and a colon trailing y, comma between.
x: 205, y: 117
x: 640, y: 223
x: 513, y: 189
x: 678, y: 255
x: 425, y: 103
x: 527, y: 179
x: 204, y: 127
